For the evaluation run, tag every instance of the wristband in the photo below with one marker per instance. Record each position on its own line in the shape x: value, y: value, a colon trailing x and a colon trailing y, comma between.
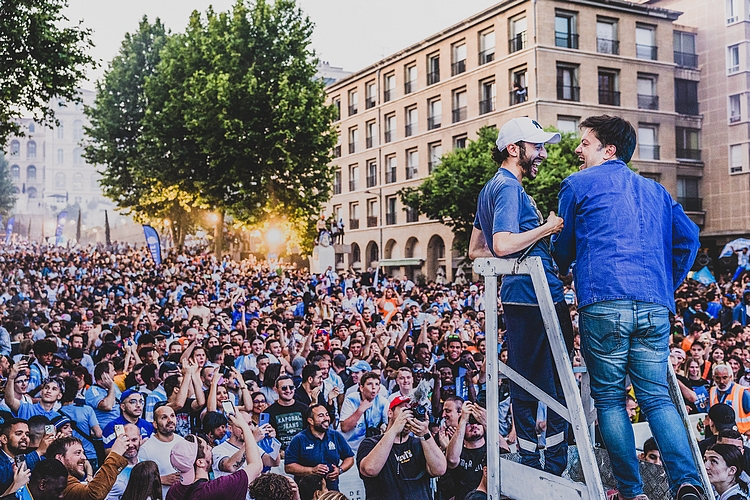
x: 427, y: 437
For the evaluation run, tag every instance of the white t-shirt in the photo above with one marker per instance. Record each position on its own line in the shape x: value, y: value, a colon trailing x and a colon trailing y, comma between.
x: 224, y: 450
x: 158, y: 451
x: 120, y: 483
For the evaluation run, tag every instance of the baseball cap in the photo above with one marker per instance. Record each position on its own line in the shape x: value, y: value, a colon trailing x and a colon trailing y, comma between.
x: 397, y: 401
x: 524, y: 129
x: 183, y: 457
x: 473, y: 288
x: 168, y: 366
x: 360, y: 366
x: 125, y: 395
x: 339, y: 360
x: 722, y: 415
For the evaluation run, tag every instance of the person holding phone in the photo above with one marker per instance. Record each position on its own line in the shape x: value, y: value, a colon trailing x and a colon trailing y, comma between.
x: 229, y: 456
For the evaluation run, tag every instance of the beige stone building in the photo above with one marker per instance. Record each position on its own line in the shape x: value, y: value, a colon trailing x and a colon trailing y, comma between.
x: 554, y: 61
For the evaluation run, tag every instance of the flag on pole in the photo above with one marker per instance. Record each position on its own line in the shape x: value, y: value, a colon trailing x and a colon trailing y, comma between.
x: 61, y: 217
x: 153, y: 242
x: 9, y: 230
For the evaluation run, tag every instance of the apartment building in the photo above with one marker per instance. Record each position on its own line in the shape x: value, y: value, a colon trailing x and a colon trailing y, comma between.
x: 554, y: 61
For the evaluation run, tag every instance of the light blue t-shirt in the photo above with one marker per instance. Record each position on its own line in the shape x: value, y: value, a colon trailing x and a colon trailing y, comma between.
x: 375, y: 416
x: 94, y: 395
x: 28, y: 410
x: 85, y: 420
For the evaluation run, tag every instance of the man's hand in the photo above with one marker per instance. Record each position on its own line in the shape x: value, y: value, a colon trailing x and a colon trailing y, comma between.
x: 315, y: 393
x: 295, y: 489
x: 106, y: 381
x: 17, y: 368
x: 268, y: 430
x: 120, y: 445
x: 480, y: 414
x: 333, y: 395
x: 554, y: 223
x: 320, y: 469
x: 365, y: 404
x: 334, y: 474
x: 418, y: 427
x: 465, y: 413
x: 44, y: 444
x: 170, y: 479
x: 401, y: 420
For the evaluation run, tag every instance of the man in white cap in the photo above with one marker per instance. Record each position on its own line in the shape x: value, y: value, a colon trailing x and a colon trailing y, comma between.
x: 193, y: 459
x: 508, y: 223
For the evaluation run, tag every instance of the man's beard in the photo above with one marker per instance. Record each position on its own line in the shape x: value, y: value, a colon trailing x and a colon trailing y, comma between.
x: 525, y: 163
x: 320, y: 428
x: 473, y: 437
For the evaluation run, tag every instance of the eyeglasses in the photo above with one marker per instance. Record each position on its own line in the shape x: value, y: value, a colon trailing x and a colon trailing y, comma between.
x: 259, y: 402
x: 287, y: 388
x: 134, y: 402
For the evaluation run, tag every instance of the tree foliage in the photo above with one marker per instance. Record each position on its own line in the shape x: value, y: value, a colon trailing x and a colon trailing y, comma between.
x: 41, y: 60
x: 7, y: 195
x: 450, y: 193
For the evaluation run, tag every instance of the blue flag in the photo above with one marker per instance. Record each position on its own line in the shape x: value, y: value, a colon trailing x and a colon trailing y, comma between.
x: 9, y: 230
x: 704, y: 276
x: 61, y: 217
x: 153, y: 242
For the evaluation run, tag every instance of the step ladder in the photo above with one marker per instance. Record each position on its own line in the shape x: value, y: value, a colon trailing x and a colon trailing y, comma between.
x: 521, y: 482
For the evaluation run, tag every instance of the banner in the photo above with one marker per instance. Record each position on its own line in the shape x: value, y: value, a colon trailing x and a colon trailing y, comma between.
x: 153, y: 242
x: 9, y: 230
x: 61, y: 218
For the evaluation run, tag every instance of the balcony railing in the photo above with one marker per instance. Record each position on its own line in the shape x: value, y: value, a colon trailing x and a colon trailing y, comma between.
x: 390, y: 176
x: 433, y: 122
x: 691, y: 204
x: 648, y: 101
x: 685, y: 107
x: 607, y: 46
x: 646, y: 52
x: 352, y: 147
x: 735, y: 117
x: 388, y: 94
x: 649, y: 151
x: 368, y: 142
x: 609, y: 97
x: 411, y: 172
x: 337, y: 188
x: 412, y: 215
x: 486, y: 106
x: 370, y: 102
x: 566, y: 40
x: 353, y: 223
x: 686, y: 60
x: 459, y: 114
x: 337, y: 151
x: 410, y: 129
x: 517, y: 43
x: 372, y: 180
x: 390, y: 219
x: 388, y: 135
x: 568, y: 93
x: 410, y: 87
x: 487, y: 56
x: 458, y: 67
x: 372, y: 220
x: 352, y: 185
x: 352, y: 109
x: 688, y: 154
x: 518, y: 96
x: 433, y: 77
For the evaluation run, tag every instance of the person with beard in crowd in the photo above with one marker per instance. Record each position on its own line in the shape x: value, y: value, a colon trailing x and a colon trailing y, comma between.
x: 466, y: 450
x: 14, y: 441
x: 160, y: 444
x: 131, y: 409
x: 47, y: 481
x: 133, y: 434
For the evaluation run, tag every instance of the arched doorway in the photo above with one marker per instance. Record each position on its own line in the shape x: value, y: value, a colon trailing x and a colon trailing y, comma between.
x: 390, y: 245
x: 435, y: 257
x: 412, y: 250
x: 356, y: 256
x: 373, y: 254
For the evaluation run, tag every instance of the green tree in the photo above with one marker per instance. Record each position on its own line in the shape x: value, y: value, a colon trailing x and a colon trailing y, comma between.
x: 450, y: 193
x: 41, y: 61
x: 7, y: 194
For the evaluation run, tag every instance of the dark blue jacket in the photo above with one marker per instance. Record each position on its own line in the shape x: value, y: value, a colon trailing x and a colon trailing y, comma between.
x: 630, y: 240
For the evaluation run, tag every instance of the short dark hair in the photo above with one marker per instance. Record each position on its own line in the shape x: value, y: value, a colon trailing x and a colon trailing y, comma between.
x: 44, y: 346
x: 500, y: 156
x: 613, y: 131
x: 60, y: 446
x: 101, y: 368
x: 48, y: 469
x: 367, y: 376
x: 649, y: 445
x: 311, y: 409
x: 170, y: 384
x: 270, y: 486
x: 8, y: 424
x: 309, y: 371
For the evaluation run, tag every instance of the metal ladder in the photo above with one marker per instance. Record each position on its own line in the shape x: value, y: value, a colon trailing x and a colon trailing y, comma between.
x: 521, y: 482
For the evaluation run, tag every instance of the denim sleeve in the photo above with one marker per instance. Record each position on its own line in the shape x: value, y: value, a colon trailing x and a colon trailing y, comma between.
x: 746, y: 401
x: 564, y: 243
x: 32, y: 459
x: 685, y: 244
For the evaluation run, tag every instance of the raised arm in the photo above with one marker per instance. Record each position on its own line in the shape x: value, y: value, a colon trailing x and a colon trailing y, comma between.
x: 10, y: 393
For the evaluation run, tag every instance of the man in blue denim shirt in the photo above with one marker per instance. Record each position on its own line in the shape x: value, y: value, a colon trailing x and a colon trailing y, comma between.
x: 508, y: 222
x: 633, y: 245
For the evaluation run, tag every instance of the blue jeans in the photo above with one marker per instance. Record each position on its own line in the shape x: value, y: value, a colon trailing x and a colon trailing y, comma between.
x: 625, y: 337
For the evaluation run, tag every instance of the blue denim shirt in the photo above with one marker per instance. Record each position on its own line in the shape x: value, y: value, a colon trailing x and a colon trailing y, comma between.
x: 629, y: 238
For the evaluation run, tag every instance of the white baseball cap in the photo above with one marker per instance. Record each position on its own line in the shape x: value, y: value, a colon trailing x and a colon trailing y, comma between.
x: 524, y: 129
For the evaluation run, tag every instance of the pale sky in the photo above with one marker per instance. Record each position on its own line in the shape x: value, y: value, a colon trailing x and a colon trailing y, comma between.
x: 348, y: 33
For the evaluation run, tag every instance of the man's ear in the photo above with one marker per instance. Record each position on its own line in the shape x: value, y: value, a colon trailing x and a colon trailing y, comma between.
x: 610, y: 151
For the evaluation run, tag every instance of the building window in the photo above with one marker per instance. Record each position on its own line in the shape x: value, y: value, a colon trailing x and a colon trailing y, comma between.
x: 684, y: 50
x: 77, y: 182
x: 353, y: 177
x: 735, y: 158
x: 337, y: 151
x: 372, y: 173
x: 337, y: 181
x: 60, y: 156
x: 410, y: 79
x: 354, y: 221
x: 517, y: 34
x: 566, y: 35
x: 647, y: 96
x: 15, y: 149
x: 78, y: 156
x: 389, y: 87
x: 31, y: 150
x: 487, y: 97
x: 688, y: 194
x: 459, y: 105
x: 31, y: 173
x: 435, y: 111
x: 15, y: 172
x: 371, y: 94
x: 433, y: 69
x: 732, y: 11
x: 77, y: 130
x: 337, y: 109
x: 567, y: 83
x: 686, y: 96
x: 609, y: 95
x: 353, y: 139
x: 519, y: 92
x: 688, y: 143
x: 486, y: 47
x: 648, y: 142
x: 412, y: 164
x: 411, y: 122
x: 645, y: 42
x: 60, y: 180
x: 733, y: 59
x: 372, y: 212
x: 411, y: 214
x: 459, y: 141
x: 567, y: 124
x: 735, y: 108
x: 435, y: 151
x: 606, y: 36
x: 31, y: 127
x: 371, y: 132
x: 459, y: 58
x: 391, y: 164
x: 390, y: 210
x: 31, y: 192
x: 390, y: 128
x: 61, y: 131
x: 353, y: 102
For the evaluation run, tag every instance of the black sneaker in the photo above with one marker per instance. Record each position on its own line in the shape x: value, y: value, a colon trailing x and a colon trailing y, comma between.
x: 690, y: 492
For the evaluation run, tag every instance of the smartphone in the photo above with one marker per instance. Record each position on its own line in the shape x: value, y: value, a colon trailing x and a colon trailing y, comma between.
x: 264, y: 419
x: 49, y: 430
x: 119, y: 430
x: 228, y: 407
x: 25, y: 357
x: 20, y: 459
